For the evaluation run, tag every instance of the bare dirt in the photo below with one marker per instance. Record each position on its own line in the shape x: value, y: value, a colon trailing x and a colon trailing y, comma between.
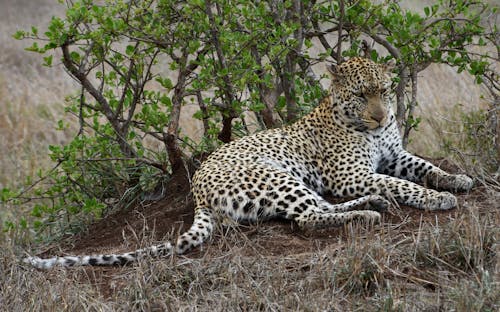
x: 156, y: 221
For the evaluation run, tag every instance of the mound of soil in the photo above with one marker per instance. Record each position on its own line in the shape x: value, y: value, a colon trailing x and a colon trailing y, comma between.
x: 172, y: 214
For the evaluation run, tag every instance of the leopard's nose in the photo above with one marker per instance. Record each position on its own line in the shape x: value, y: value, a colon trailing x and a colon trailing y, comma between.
x: 378, y: 115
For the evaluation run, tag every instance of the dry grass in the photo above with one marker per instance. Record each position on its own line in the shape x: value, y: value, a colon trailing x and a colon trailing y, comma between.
x: 31, y: 96
x: 432, y: 263
x: 411, y: 265
x: 31, y: 100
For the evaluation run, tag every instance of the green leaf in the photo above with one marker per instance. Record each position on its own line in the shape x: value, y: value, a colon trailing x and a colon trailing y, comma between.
x: 130, y: 50
x: 198, y: 115
x: 23, y: 223
x: 8, y: 226
x: 34, y: 48
x: 165, y: 100
x: 256, y: 106
x: 47, y: 61
x: 37, y: 224
x: 75, y: 56
x: 165, y: 82
x: 60, y: 125
x: 434, y: 8
x: 36, y: 211
x: 6, y: 194
x: 427, y: 11
x: 18, y: 35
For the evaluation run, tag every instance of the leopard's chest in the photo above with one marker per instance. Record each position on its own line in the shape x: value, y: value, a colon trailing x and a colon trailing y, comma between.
x: 348, y: 153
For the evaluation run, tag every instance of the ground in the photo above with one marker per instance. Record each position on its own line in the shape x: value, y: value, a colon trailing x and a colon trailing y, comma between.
x: 281, y: 245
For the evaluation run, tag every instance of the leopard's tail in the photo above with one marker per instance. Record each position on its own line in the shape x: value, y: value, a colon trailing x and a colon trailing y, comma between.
x: 200, y: 231
x: 100, y: 260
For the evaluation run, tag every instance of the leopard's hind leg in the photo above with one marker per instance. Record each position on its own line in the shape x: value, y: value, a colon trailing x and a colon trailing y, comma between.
x: 200, y: 231
x: 321, y: 214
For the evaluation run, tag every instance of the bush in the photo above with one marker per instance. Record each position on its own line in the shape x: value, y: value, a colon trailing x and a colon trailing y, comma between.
x: 241, y: 62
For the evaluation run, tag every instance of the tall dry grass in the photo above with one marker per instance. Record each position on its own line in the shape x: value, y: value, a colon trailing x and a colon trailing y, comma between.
x: 441, y: 264
x: 31, y: 100
x: 31, y: 96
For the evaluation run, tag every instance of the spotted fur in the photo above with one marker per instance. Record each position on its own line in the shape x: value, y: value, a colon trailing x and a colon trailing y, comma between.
x: 348, y: 146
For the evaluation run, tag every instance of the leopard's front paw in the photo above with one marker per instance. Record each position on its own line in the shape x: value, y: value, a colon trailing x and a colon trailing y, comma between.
x: 462, y: 183
x: 366, y: 216
x: 441, y: 201
x: 378, y: 203
x: 449, y: 182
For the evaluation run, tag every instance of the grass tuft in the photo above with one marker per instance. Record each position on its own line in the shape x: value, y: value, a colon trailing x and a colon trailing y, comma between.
x: 466, y: 244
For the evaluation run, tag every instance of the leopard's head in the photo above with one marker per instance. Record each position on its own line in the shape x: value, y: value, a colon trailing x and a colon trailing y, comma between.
x: 361, y: 89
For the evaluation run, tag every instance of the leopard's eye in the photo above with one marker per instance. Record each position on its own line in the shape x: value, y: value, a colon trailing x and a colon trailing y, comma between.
x: 359, y: 93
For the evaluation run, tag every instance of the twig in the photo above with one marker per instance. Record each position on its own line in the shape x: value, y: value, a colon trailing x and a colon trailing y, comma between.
x: 105, y: 108
x: 340, y: 30
x: 411, y: 106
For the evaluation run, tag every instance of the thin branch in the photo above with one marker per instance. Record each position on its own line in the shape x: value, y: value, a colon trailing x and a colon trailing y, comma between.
x: 138, y: 91
x: 105, y: 108
x: 340, y: 30
x: 137, y: 159
x: 127, y: 85
x: 430, y: 23
x: 204, y: 113
x: 318, y: 32
x: 411, y: 106
x: 386, y: 44
x: 29, y: 188
x: 228, y: 114
x: 470, y: 53
x: 323, y: 40
x: 81, y: 120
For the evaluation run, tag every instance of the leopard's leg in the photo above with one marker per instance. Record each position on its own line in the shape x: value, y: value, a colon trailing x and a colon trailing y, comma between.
x: 315, y: 212
x: 403, y: 191
x: 251, y: 192
x: 368, y: 202
x: 409, y: 167
x: 318, y: 213
x: 317, y: 218
x: 201, y: 229
x: 442, y: 180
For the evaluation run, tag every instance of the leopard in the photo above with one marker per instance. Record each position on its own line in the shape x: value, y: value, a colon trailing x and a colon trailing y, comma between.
x: 348, y: 146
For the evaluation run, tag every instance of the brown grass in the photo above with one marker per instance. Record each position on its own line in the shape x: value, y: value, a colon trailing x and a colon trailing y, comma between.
x: 31, y: 96
x: 414, y: 261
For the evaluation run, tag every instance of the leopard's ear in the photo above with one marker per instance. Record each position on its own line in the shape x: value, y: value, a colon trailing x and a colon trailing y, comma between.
x: 389, y: 66
x: 334, y: 73
x: 388, y: 69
